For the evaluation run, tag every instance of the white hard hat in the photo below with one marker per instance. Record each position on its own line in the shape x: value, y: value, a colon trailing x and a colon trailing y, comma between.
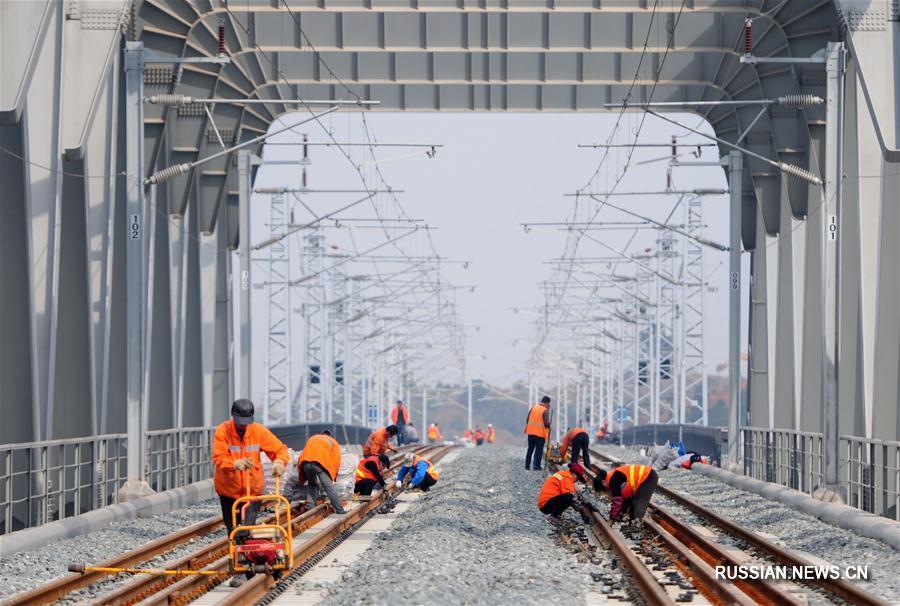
x: 489, y: 425
x: 408, y: 457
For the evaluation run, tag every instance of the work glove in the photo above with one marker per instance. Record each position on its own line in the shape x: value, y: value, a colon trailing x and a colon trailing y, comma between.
x: 278, y: 468
x: 616, y: 509
x: 243, y: 464
x: 398, y: 484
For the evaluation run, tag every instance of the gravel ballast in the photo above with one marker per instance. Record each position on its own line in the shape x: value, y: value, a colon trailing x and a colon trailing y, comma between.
x: 476, y: 538
x: 28, y: 569
x: 792, y: 528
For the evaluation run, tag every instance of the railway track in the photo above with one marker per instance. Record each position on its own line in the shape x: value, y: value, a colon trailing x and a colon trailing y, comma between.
x: 694, y: 553
x: 180, y: 588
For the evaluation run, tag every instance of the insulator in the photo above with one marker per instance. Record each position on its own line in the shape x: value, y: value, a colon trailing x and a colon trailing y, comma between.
x: 800, y: 173
x: 221, y: 38
x: 800, y: 101
x: 305, y: 147
x: 748, y: 36
x: 170, y: 99
x: 304, y: 177
x: 168, y: 173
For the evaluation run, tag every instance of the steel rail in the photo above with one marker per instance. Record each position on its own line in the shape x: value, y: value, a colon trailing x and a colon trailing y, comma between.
x: 839, y: 587
x: 259, y: 586
x: 54, y: 590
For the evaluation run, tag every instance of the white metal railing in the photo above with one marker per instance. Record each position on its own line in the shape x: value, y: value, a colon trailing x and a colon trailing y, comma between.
x: 54, y: 479
x: 870, y: 475
x: 790, y: 458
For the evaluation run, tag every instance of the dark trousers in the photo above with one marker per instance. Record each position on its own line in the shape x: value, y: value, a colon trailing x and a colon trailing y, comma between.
x: 580, y: 443
x: 427, y: 482
x: 558, y: 504
x: 641, y: 499
x: 249, y: 513
x: 365, y: 487
x: 536, y: 448
x: 401, y: 434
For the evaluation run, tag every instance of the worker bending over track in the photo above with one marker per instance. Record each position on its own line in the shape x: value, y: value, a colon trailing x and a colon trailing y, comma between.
x: 537, y: 428
x: 558, y: 491
x: 434, y: 433
x: 369, y: 474
x: 318, y: 467
x: 421, y: 472
x: 630, y: 486
x: 580, y: 440
x: 238, y: 469
x: 378, y: 441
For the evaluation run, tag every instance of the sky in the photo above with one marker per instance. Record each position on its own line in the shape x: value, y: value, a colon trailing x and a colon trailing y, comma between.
x: 493, y: 173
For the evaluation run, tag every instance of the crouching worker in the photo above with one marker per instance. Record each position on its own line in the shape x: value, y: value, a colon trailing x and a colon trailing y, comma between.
x: 369, y: 474
x: 236, y: 447
x: 421, y: 472
x: 558, y: 492
x: 630, y: 486
x: 318, y: 468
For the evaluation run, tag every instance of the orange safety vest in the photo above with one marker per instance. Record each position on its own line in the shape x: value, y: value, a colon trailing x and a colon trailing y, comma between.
x: 561, y: 482
x: 490, y: 436
x: 433, y: 433
x: 635, y: 474
x: 468, y: 433
x: 363, y: 472
x: 431, y: 471
x: 377, y: 442
x: 228, y: 447
x: 395, y: 413
x: 535, y: 425
x: 323, y: 450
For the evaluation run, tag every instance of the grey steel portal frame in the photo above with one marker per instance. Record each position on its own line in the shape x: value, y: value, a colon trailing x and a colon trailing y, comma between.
x: 65, y: 180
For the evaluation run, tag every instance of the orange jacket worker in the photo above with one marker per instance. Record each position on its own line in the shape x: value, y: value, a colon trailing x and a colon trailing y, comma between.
x: 631, y: 486
x: 236, y: 447
x: 579, y: 439
x: 537, y: 428
x: 318, y: 466
x: 378, y: 441
x: 558, y: 492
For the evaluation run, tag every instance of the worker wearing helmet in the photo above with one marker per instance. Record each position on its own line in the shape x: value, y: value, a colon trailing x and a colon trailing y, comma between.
x: 318, y: 466
x: 490, y: 434
x: 369, y: 474
x: 537, y: 428
x: 434, y: 433
x: 631, y: 487
x: 558, y: 492
x: 378, y: 441
x: 478, y: 436
x: 400, y: 417
x: 423, y: 475
x: 579, y: 439
x: 237, y: 444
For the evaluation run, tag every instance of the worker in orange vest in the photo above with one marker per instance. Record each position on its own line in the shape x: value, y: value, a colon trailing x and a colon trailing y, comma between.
x: 238, y: 469
x: 558, y: 492
x: 378, y: 441
x: 318, y: 467
x: 602, y: 431
x: 631, y: 486
x: 537, y: 428
x: 434, y: 433
x: 468, y: 434
x: 579, y: 439
x: 400, y: 417
x: 490, y: 434
x: 369, y: 474
x: 478, y: 436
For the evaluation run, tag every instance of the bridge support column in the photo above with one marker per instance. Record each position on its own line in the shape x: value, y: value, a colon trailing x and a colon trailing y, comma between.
x: 737, y: 415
